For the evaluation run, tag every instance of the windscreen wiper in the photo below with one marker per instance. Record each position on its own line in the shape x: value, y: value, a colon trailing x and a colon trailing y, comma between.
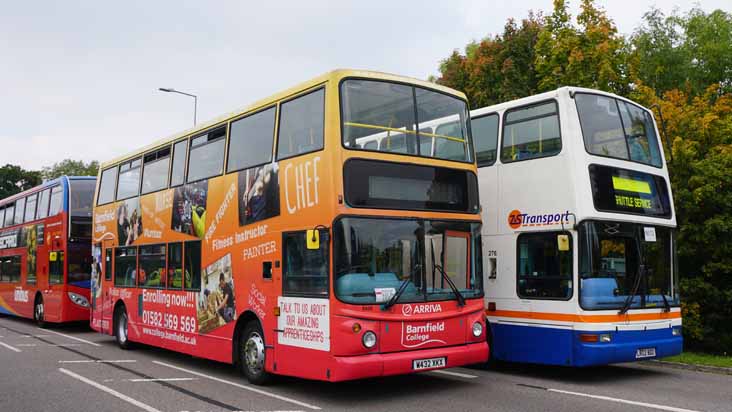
x: 460, y: 298
x: 391, y: 302
x: 666, y: 305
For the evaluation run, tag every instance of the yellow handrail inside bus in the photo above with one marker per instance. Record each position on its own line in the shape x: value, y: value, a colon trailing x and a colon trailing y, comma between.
x: 393, y: 129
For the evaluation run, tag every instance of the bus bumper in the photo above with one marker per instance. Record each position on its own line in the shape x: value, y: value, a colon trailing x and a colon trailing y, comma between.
x: 627, y: 346
x: 400, y: 363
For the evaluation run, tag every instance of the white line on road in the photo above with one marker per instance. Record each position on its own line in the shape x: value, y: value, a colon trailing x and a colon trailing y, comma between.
x: 607, y: 398
x: 110, y: 391
x: 458, y: 374
x: 10, y: 347
x: 74, y: 338
x: 99, y: 361
x: 161, y: 379
x: 48, y: 344
x: 259, y: 391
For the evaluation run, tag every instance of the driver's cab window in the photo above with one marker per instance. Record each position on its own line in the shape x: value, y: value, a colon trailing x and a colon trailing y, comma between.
x: 543, y: 270
x: 618, y: 260
x: 305, y: 270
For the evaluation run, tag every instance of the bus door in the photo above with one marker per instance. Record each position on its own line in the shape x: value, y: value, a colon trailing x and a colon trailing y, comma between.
x: 303, y: 326
x: 53, y: 291
x: 101, y: 299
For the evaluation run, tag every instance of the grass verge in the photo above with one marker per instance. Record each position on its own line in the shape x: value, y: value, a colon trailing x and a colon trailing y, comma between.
x: 696, y: 358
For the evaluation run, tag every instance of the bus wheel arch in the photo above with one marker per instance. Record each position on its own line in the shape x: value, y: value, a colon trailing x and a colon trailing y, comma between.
x: 250, y: 349
x: 39, y: 310
x: 241, y: 323
x: 120, y: 330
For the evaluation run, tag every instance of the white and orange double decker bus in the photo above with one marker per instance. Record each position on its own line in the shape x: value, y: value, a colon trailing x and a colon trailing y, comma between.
x: 280, y: 238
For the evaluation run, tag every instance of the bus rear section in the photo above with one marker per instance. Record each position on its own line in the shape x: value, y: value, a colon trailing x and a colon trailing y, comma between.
x: 268, y: 240
x: 45, y: 251
x: 581, y: 264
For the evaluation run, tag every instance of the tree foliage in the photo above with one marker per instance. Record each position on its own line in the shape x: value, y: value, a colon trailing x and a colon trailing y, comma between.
x: 14, y: 179
x: 71, y: 167
x: 679, y: 65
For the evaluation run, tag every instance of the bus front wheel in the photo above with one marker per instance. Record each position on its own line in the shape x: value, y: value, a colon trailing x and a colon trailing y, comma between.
x: 252, y: 354
x: 121, y: 328
x: 39, y: 312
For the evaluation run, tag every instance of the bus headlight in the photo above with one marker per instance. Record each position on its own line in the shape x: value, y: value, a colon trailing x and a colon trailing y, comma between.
x: 676, y: 331
x: 369, y: 339
x: 78, y: 299
x: 605, y: 338
x: 477, y: 329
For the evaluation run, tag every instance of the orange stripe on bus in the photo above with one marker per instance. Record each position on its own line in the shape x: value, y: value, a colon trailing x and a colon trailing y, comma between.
x: 564, y: 317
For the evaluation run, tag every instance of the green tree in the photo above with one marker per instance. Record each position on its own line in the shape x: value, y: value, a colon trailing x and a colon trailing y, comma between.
x: 688, y: 52
x: 592, y: 54
x: 71, y: 167
x: 498, y: 68
x: 14, y: 179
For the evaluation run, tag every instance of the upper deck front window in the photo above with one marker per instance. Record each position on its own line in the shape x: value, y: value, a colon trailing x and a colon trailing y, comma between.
x: 616, y: 128
x: 398, y: 118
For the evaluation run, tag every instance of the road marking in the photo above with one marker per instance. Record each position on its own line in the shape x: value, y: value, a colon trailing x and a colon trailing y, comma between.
x: 458, y: 374
x: 10, y: 347
x: 34, y: 336
x: 99, y: 361
x: 607, y: 398
x: 73, y: 337
x: 48, y: 344
x: 110, y: 391
x: 248, y: 388
x: 161, y: 379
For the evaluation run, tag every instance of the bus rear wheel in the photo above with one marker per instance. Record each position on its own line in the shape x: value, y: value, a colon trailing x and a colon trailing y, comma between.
x: 39, y: 312
x: 252, y: 354
x: 121, y: 328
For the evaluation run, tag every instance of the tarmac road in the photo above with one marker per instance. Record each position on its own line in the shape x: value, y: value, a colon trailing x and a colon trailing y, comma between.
x: 72, y: 368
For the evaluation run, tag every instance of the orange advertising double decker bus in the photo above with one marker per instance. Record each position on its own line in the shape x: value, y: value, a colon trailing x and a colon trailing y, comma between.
x: 328, y: 232
x: 45, y: 251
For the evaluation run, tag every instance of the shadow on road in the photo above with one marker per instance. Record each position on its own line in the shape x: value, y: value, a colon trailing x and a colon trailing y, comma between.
x: 594, y: 374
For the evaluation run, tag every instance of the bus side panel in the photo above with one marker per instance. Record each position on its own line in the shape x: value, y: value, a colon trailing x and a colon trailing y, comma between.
x: 532, y: 344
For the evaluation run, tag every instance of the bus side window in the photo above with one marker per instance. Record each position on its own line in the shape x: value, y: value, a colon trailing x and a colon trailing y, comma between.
x: 175, y: 266
x: 531, y: 132
x: 301, y: 125
x: 305, y: 271
x: 192, y: 262
x: 485, y: 137
x: 57, y: 197
x: 543, y: 271
x: 108, y: 264
x: 125, y: 266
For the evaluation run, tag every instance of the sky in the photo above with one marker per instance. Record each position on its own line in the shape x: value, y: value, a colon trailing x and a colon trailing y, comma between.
x: 80, y: 79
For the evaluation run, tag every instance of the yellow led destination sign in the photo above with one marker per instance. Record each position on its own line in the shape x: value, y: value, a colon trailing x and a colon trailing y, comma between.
x: 632, y: 201
x: 631, y: 185
x: 618, y: 190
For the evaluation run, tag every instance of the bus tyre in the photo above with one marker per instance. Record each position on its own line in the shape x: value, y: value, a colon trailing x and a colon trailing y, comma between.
x: 39, y: 312
x: 121, y: 328
x: 252, y: 353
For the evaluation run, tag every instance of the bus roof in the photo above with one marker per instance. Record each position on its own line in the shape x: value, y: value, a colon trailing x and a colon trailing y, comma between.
x: 334, y: 75
x: 42, y: 186
x: 543, y: 96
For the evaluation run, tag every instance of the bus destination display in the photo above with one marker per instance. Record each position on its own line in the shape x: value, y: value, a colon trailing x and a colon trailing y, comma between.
x: 627, y: 191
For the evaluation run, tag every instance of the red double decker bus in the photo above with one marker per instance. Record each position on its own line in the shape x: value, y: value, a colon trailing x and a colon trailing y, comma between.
x: 329, y: 232
x: 45, y: 251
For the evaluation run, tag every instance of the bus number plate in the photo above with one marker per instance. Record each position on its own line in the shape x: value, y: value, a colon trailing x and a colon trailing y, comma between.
x: 645, y: 353
x: 429, y: 363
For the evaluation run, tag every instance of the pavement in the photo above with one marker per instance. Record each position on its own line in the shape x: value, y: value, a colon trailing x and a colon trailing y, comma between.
x: 72, y: 368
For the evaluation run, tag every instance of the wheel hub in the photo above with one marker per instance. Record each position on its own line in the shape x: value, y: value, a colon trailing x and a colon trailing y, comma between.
x: 254, y: 353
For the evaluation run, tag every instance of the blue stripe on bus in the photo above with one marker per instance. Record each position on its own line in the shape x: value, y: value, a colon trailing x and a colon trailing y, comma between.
x: 553, y: 346
x: 81, y: 283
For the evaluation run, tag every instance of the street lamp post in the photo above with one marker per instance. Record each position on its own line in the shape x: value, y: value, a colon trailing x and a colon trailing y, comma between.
x: 195, y: 99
